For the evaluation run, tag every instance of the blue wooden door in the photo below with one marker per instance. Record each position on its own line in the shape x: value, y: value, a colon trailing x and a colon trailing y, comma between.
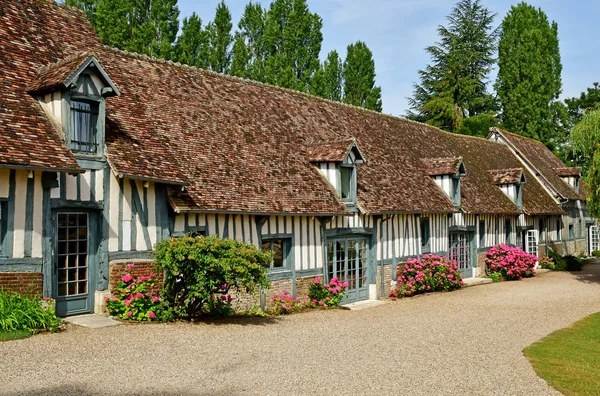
x: 347, y: 259
x: 73, y: 263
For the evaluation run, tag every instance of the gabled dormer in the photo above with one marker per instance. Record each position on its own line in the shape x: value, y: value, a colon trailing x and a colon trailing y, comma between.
x: 337, y: 161
x: 510, y: 181
x: 446, y: 172
x: 73, y: 93
x: 569, y: 175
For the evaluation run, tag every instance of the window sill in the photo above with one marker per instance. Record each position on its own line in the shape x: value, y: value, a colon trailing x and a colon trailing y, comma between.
x: 277, y: 274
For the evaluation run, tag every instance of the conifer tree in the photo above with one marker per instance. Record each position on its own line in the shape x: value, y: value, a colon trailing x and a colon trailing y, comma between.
x: 193, y: 46
x: 452, y: 93
x: 219, y: 33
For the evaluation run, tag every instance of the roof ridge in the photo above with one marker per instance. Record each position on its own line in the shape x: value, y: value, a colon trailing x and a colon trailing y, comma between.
x: 521, y: 136
x: 66, y: 59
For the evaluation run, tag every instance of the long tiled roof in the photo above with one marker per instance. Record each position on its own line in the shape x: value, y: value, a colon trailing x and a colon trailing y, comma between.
x: 544, y: 162
x: 242, y: 146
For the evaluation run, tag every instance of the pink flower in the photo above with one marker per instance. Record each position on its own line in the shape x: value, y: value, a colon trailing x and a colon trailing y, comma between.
x: 332, y: 290
x: 129, y: 267
x: 327, y: 299
x: 229, y: 298
x: 334, y: 279
x: 338, y: 289
x: 345, y: 284
x: 106, y: 299
x: 321, y: 303
x: 139, y: 295
x: 127, y: 278
x: 317, y: 280
x: 151, y: 315
x: 155, y: 299
x: 127, y: 302
x: 129, y: 313
x: 223, y: 298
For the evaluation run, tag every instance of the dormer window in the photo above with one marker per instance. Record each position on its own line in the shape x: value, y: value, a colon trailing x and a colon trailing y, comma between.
x: 83, y: 126
x: 80, y: 83
x: 570, y: 176
x: 446, y: 172
x: 510, y: 181
x: 336, y: 161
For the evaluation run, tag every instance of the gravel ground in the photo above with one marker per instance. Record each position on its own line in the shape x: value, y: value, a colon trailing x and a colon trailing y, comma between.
x: 469, y: 342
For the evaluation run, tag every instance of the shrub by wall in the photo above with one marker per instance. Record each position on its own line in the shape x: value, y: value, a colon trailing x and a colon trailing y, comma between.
x: 430, y: 273
x: 200, y: 271
x: 511, y: 262
x: 21, y: 313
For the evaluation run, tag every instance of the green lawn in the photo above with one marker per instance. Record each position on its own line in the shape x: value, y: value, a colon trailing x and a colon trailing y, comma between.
x: 13, y: 335
x: 569, y: 359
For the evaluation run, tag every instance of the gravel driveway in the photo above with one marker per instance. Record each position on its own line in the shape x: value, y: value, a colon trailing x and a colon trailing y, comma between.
x: 466, y: 342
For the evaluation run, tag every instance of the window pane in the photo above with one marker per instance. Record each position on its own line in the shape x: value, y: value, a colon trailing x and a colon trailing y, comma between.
x: 276, y: 246
x: 346, y: 179
x: 83, y: 126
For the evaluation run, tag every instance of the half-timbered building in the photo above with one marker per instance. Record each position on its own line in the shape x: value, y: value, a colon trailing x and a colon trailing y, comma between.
x: 103, y: 153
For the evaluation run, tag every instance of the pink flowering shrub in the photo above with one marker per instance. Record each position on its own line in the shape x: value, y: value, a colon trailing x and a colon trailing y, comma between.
x: 326, y: 294
x: 428, y: 274
x: 133, y: 302
x: 547, y: 263
x: 284, y: 303
x: 511, y: 262
x: 220, y: 305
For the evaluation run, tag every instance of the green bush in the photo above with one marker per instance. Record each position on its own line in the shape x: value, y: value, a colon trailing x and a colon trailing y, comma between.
x: 200, y: 272
x: 19, y: 313
x: 596, y: 253
x: 566, y: 263
x: 573, y: 263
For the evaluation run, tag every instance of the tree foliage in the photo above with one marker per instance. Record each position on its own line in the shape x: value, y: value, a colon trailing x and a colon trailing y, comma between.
x: 193, y: 45
x: 144, y: 26
x: 328, y: 79
x: 529, y: 80
x: 219, y: 32
x: 359, y: 78
x: 454, y: 86
x: 585, y: 138
x: 249, y: 48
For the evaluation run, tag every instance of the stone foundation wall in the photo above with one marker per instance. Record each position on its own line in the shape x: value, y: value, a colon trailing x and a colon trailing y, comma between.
x: 387, y: 281
x: 574, y: 247
x: 26, y: 283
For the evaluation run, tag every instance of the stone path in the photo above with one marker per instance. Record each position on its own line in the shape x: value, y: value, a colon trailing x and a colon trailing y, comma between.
x: 466, y: 342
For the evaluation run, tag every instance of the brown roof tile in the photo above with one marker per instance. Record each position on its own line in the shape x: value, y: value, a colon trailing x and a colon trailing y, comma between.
x: 331, y: 151
x: 55, y: 75
x: 506, y: 176
x: 32, y: 34
x: 441, y: 166
x: 568, y: 171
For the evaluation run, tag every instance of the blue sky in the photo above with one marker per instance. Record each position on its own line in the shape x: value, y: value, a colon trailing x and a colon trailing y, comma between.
x: 397, y: 31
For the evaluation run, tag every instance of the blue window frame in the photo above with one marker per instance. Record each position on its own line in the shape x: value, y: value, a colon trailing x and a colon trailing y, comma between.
x: 3, y: 227
x: 83, y: 126
x: 281, y: 249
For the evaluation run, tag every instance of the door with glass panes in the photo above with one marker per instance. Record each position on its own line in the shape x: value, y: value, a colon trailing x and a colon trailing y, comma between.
x: 347, y: 259
x: 74, y: 268
x: 460, y: 250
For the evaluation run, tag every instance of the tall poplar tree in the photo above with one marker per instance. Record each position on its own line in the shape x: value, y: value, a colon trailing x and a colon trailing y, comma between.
x: 328, y: 79
x: 249, y: 51
x: 219, y: 33
x: 292, y: 40
x: 87, y: 6
x: 585, y: 138
x: 453, y: 91
x: 359, y: 78
x: 193, y: 46
x: 529, y: 72
x: 143, y: 26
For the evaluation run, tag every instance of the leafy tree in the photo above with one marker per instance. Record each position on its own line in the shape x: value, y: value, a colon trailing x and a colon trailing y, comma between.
x: 586, y: 101
x: 585, y: 138
x: 328, y: 79
x: 249, y: 48
x: 219, y: 32
x: 453, y: 87
x: 529, y: 79
x: 292, y: 40
x: 193, y: 46
x: 359, y: 78
x: 87, y: 6
x: 144, y: 26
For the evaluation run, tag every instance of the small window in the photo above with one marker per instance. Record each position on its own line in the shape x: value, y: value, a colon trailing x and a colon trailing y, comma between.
x: 84, y: 117
x: 280, y: 249
x: 559, y: 229
x: 481, y: 233
x: 425, y: 235
x: 531, y: 245
x: 3, y: 226
x: 571, y: 231
x: 507, y: 231
x: 580, y: 229
x: 542, y: 227
x: 347, y: 183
